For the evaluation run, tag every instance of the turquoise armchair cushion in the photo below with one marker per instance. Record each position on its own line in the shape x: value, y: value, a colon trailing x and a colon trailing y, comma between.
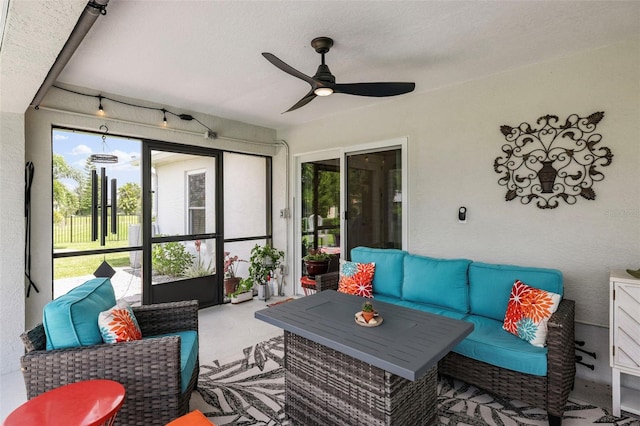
x: 441, y: 282
x: 490, y: 286
x: 71, y: 320
x: 188, y: 354
x: 388, y: 277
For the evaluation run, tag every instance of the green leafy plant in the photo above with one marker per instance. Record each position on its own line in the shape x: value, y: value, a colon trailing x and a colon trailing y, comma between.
x: 246, y: 284
x: 263, y: 261
x: 367, y: 307
x: 171, y: 259
x: 314, y: 255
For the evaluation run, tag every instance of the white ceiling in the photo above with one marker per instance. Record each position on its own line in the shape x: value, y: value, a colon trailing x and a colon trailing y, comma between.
x: 205, y: 56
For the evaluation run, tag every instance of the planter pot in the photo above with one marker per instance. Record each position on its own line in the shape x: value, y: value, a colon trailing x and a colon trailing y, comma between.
x: 231, y: 285
x: 315, y: 267
x: 242, y: 297
x: 367, y: 315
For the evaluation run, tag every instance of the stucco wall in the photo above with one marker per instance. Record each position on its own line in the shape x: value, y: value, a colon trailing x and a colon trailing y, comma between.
x: 12, y: 282
x: 454, y: 137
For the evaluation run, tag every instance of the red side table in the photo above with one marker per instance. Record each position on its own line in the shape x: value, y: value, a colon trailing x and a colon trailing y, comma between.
x: 86, y: 403
x: 308, y: 285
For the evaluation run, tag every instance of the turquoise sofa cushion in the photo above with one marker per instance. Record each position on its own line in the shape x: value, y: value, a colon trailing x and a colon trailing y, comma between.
x: 440, y: 282
x: 489, y: 343
x: 432, y: 309
x: 188, y: 354
x: 388, y: 277
x: 71, y: 320
x: 490, y: 286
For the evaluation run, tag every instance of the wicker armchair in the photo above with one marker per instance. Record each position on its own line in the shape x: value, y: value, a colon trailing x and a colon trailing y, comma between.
x: 149, y: 369
x: 549, y: 392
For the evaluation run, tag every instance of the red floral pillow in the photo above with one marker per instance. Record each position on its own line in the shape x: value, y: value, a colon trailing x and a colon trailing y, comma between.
x: 356, y: 278
x: 118, y: 324
x: 528, y: 312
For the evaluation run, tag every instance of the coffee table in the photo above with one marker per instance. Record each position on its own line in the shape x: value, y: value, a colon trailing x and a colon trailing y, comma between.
x: 340, y: 373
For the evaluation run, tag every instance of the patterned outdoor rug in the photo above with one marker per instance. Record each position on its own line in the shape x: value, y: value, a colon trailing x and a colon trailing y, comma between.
x: 249, y: 390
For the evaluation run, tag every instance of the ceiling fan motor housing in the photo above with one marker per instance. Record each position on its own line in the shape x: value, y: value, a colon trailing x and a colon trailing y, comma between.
x: 324, y: 74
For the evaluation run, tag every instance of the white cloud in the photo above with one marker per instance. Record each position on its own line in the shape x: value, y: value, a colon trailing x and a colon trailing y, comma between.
x: 81, y: 150
x: 59, y: 137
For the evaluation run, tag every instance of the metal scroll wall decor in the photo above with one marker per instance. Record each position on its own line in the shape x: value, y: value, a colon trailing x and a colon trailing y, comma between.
x: 552, y: 161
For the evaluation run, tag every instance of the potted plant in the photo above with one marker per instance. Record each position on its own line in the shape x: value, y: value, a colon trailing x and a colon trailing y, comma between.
x: 231, y: 281
x: 367, y: 311
x: 316, y: 262
x: 263, y: 262
x: 243, y: 292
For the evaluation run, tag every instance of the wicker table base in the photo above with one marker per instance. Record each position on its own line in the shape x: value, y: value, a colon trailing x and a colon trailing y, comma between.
x: 327, y: 387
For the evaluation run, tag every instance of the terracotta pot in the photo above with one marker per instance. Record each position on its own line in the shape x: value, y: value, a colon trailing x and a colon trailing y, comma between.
x: 367, y: 315
x: 231, y: 285
x: 316, y: 267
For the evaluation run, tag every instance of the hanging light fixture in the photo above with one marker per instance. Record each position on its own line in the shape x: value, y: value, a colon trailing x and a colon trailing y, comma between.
x: 100, y: 108
x: 103, y: 158
x: 164, y: 117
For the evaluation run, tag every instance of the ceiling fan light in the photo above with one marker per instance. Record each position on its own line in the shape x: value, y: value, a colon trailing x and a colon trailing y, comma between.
x: 323, y: 91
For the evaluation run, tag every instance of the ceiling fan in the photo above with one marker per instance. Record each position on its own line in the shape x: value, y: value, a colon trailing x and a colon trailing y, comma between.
x: 323, y: 83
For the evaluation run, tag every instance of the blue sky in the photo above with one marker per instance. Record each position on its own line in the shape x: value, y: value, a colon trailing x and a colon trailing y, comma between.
x: 75, y: 147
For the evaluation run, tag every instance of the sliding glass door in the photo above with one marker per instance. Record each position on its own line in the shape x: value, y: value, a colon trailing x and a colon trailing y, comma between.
x: 350, y: 198
x: 320, y: 186
x: 374, y: 199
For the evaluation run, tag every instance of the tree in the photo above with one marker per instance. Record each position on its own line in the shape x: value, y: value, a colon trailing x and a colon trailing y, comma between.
x: 129, y: 198
x: 64, y: 200
x: 84, y: 189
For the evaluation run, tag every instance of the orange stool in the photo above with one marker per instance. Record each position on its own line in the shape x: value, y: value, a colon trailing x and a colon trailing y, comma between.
x: 308, y: 285
x: 194, y: 418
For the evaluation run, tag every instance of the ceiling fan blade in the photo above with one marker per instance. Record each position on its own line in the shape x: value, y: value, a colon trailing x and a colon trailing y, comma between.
x: 302, y: 102
x: 287, y: 68
x: 374, y: 89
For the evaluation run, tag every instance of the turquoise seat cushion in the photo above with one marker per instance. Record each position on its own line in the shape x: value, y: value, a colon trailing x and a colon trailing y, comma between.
x: 432, y: 309
x: 490, y: 286
x: 387, y: 279
x: 489, y: 343
x: 71, y: 320
x: 188, y: 354
x: 440, y: 282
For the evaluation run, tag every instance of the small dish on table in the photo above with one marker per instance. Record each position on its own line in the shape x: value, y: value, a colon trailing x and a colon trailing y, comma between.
x: 374, y: 322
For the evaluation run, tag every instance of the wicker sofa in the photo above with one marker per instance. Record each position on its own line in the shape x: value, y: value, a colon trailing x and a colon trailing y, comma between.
x: 420, y: 283
x: 149, y: 369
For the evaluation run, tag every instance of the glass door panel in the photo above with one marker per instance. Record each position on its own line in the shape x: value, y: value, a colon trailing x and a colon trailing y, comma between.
x: 320, y: 210
x: 374, y: 200
x: 183, y: 240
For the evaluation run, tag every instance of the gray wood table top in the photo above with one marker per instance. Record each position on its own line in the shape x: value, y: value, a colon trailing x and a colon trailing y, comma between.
x: 407, y: 343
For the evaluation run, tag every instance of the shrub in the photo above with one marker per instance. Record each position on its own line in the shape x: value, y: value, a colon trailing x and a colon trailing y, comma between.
x: 171, y: 259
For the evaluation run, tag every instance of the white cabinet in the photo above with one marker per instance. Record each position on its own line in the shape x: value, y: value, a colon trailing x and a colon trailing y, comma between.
x: 624, y: 337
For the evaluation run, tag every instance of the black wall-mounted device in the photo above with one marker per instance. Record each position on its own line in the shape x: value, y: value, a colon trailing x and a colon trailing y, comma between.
x: 462, y: 214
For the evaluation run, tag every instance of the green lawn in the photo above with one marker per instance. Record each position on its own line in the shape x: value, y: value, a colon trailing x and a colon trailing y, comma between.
x: 68, y: 267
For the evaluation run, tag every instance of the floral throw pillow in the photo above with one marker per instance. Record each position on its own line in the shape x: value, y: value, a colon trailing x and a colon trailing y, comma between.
x: 356, y: 278
x: 118, y: 324
x: 528, y: 312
